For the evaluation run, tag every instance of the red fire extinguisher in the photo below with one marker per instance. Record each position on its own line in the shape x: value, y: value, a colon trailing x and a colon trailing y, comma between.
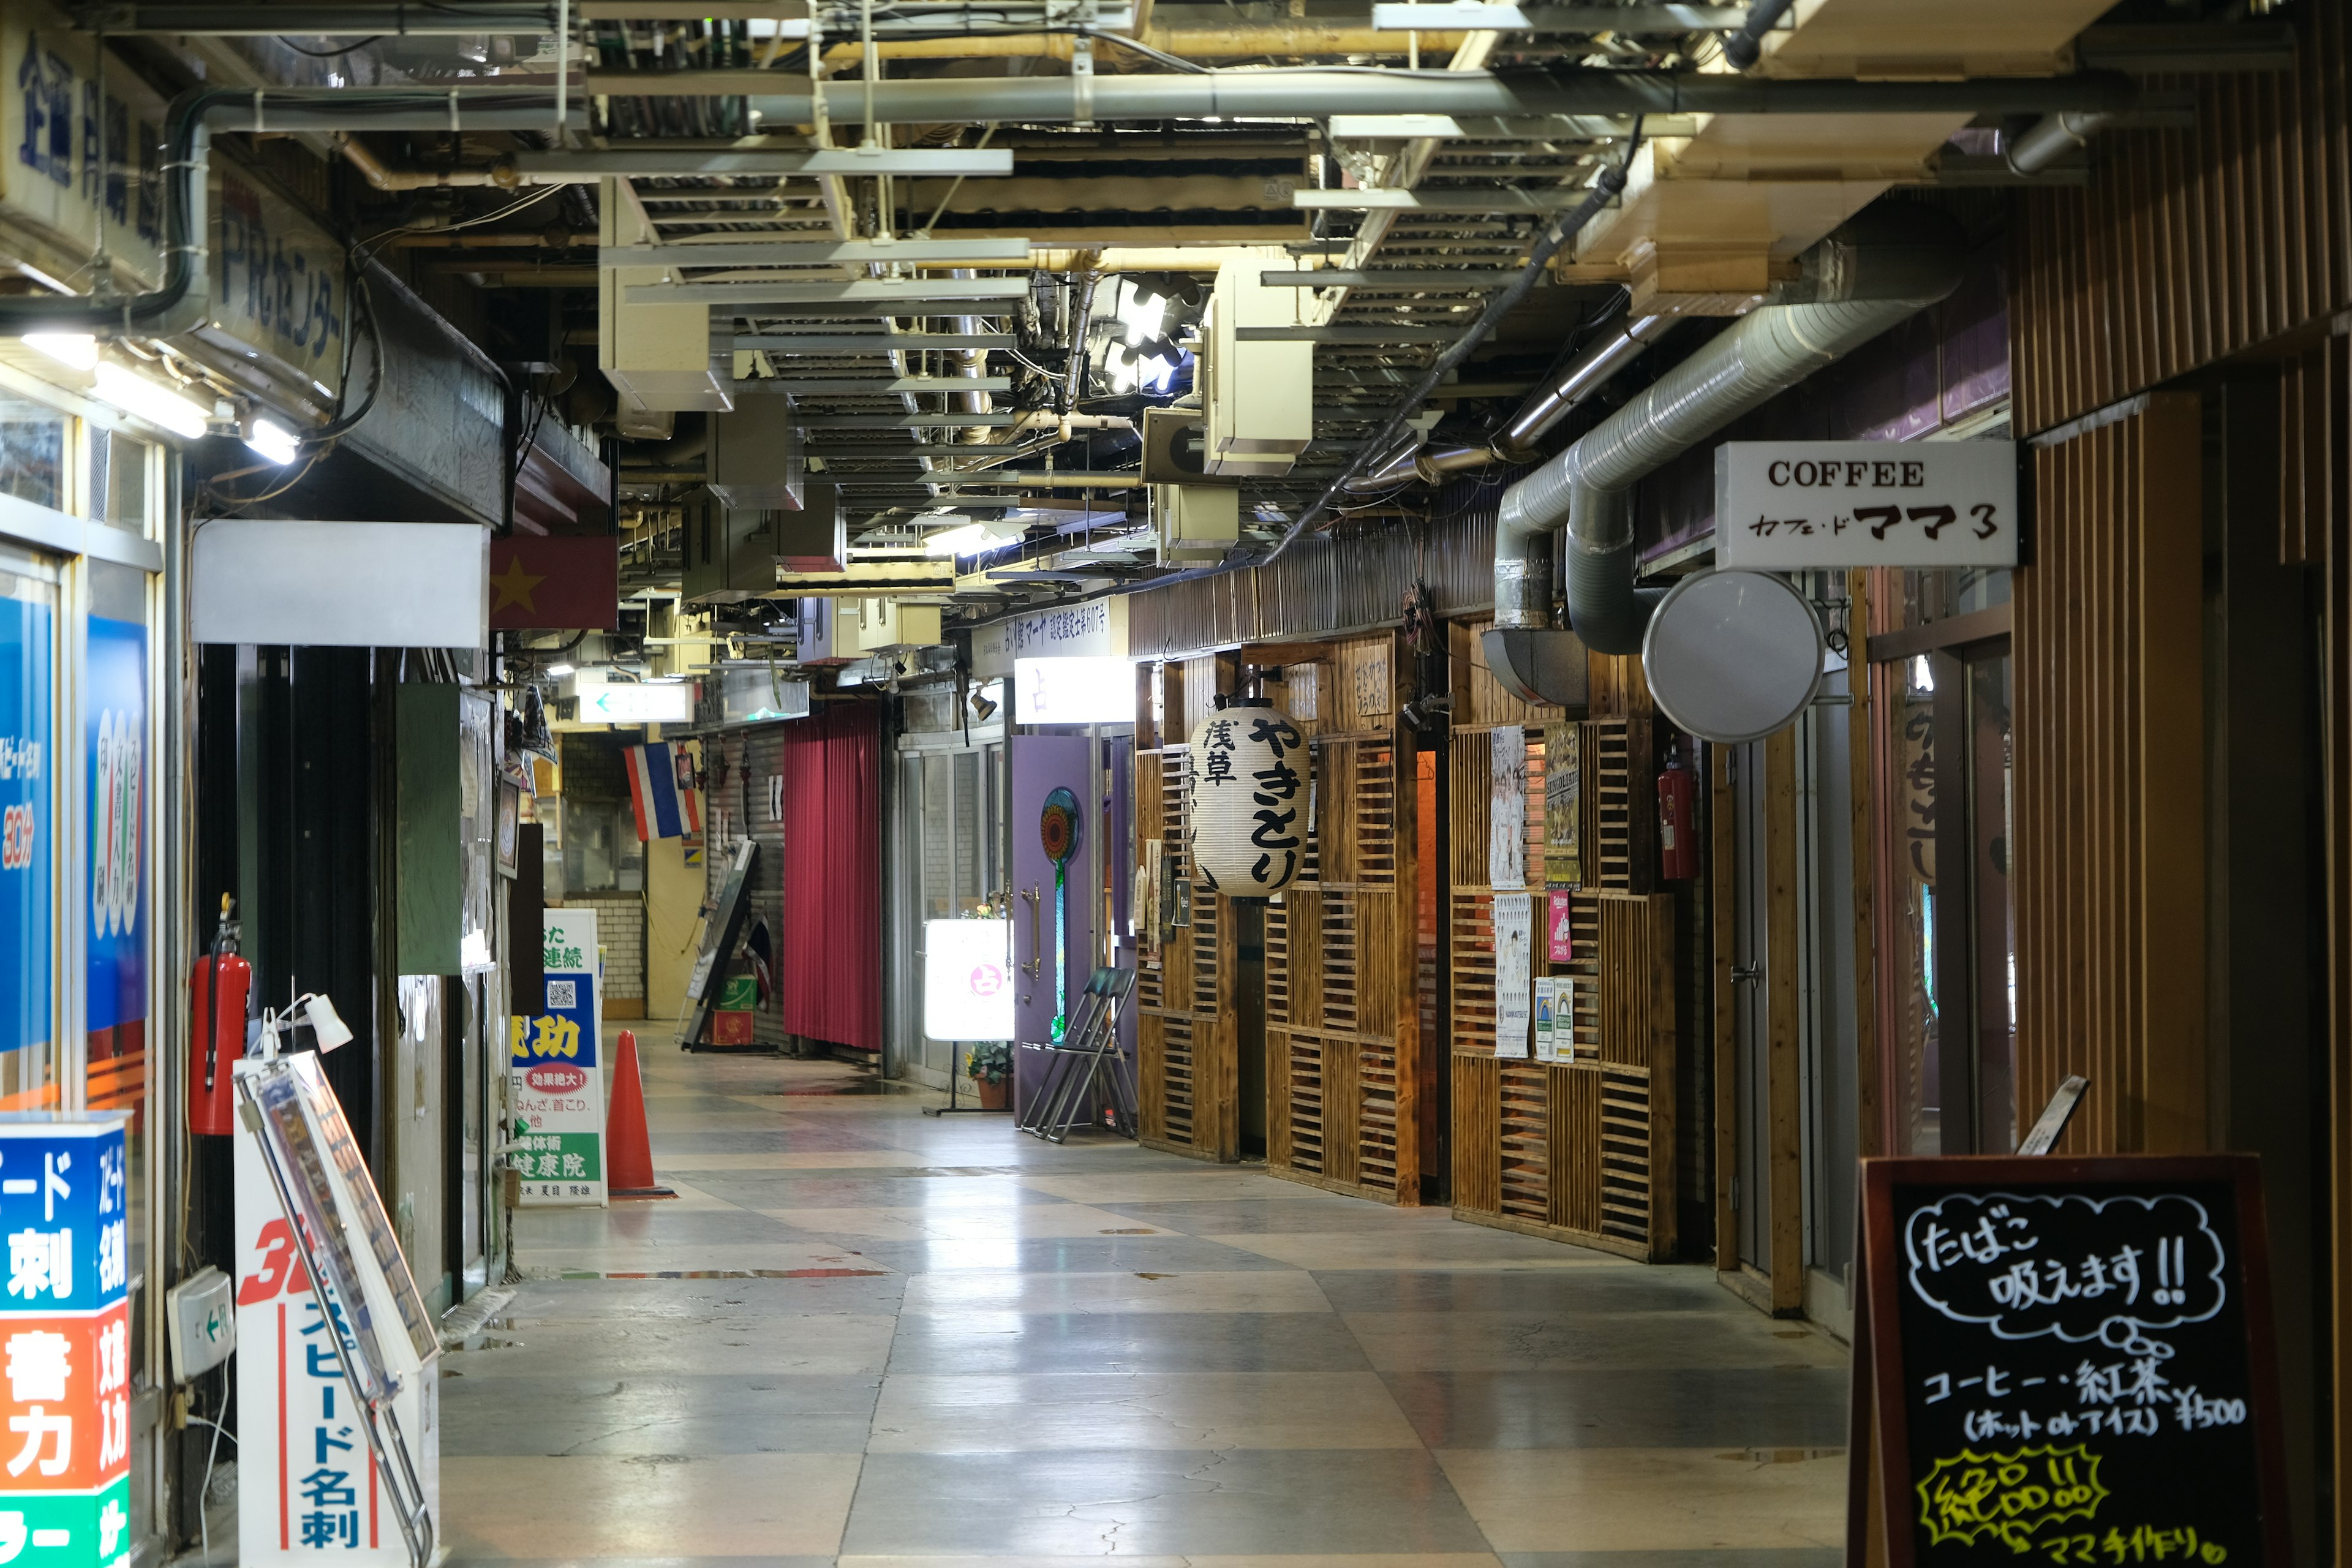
x: 1677, y: 832
x: 218, y: 991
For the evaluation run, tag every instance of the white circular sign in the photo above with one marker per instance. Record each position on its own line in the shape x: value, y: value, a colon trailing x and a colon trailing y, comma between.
x: 1733, y: 656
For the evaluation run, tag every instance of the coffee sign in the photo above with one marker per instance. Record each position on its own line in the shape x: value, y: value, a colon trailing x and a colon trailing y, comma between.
x: 1790, y: 506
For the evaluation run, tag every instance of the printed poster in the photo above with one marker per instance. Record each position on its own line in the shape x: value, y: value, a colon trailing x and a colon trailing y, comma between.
x: 115, y: 733
x: 1559, y: 927
x: 559, y: 1093
x: 1547, y: 999
x: 28, y: 864
x: 1513, y: 976
x: 1564, y: 805
x: 1506, y: 814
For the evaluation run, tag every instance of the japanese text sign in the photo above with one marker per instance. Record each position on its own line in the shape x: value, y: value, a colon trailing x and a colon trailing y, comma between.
x: 1788, y: 506
x: 65, y: 1343
x: 2069, y: 1360
x: 559, y: 1093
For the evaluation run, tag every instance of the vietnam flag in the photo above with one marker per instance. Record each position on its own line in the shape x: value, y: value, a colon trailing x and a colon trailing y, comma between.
x: 543, y: 584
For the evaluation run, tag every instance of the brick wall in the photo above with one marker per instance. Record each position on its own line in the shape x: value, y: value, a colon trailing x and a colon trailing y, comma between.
x: 621, y: 928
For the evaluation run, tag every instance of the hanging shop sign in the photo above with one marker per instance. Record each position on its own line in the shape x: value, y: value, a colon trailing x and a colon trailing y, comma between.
x: 968, y: 980
x: 309, y: 1488
x: 1095, y: 629
x: 114, y: 688
x: 1793, y: 506
x: 1089, y: 689
x: 603, y: 700
x: 341, y: 584
x: 539, y: 583
x: 57, y: 186
x: 65, y: 1343
x: 27, y: 823
x: 1252, y: 784
x: 2067, y: 1357
x: 553, y: 1062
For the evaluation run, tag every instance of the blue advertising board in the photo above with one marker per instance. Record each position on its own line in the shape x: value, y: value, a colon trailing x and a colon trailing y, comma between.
x: 28, y: 865
x: 114, y: 721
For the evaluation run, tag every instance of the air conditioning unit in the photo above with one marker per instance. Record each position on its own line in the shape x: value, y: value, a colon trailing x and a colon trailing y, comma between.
x: 816, y: 622
x: 1257, y: 399
x: 659, y: 357
x: 817, y: 537
x: 881, y: 623
x: 754, y: 459
x: 1195, y: 522
x: 731, y: 552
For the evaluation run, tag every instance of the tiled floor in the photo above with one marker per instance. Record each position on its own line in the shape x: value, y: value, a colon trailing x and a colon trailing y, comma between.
x: 898, y: 1339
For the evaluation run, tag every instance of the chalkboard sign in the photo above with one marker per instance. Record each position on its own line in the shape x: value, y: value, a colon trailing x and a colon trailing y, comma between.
x: 720, y: 934
x: 2065, y: 1360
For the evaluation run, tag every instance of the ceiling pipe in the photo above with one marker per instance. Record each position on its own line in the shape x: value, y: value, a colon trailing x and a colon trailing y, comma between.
x: 1183, y: 43
x: 1743, y: 45
x: 383, y: 177
x: 179, y: 304
x: 974, y: 363
x: 1878, y: 271
x: 1312, y: 93
x: 443, y: 18
x: 2051, y: 138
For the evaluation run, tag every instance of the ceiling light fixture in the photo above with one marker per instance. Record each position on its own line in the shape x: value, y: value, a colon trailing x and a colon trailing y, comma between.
x: 157, y: 405
x: 77, y: 351
x: 274, y: 441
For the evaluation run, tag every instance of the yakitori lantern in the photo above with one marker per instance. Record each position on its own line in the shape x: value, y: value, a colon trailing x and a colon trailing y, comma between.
x: 1251, y: 789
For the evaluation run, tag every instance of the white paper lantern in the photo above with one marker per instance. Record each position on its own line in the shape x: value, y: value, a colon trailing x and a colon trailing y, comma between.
x: 1251, y: 787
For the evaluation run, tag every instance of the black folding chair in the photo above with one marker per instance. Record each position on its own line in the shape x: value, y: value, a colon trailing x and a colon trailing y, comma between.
x: 1087, y: 1073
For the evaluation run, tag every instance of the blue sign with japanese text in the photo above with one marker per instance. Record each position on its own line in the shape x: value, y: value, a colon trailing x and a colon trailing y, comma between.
x: 27, y: 866
x: 64, y: 1214
x: 114, y: 721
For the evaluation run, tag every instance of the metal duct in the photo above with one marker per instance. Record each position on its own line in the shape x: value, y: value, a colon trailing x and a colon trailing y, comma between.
x: 1875, y: 272
x: 1317, y: 94
x: 2051, y: 138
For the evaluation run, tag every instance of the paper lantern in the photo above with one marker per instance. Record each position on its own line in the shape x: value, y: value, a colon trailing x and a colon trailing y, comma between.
x: 1251, y: 791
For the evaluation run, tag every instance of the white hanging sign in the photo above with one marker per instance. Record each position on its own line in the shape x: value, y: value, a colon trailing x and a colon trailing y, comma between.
x: 1515, y: 996
x: 1788, y: 506
x: 554, y: 1065
x: 968, y: 980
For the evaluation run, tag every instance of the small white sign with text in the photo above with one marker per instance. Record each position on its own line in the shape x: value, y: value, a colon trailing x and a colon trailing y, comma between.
x: 1794, y: 506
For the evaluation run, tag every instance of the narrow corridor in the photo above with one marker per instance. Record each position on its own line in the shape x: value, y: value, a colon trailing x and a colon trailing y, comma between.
x: 863, y: 1334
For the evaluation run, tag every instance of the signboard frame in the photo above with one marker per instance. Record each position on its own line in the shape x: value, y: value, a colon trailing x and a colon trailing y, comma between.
x: 1881, y: 1520
x: 1798, y: 506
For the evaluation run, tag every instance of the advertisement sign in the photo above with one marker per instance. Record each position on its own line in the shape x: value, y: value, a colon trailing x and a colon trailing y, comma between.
x: 1514, y: 973
x: 1095, y: 629
x: 65, y: 1343
x: 968, y: 980
x: 603, y: 700
x: 1506, y: 812
x: 50, y: 100
x: 309, y: 1491
x: 27, y: 866
x: 114, y: 723
x: 558, y: 1091
x: 1077, y: 691
x: 1790, y: 506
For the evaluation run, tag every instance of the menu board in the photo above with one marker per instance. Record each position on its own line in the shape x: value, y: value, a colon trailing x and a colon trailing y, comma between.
x: 2065, y: 1360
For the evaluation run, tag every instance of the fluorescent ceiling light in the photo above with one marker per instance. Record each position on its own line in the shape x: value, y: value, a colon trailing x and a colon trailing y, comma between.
x: 77, y: 349
x: 561, y: 671
x: 42, y: 278
x: 962, y: 540
x: 274, y: 441
x: 159, y: 406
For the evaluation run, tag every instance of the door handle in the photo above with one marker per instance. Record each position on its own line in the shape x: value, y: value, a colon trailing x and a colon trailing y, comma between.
x: 1037, y: 962
x: 1744, y: 973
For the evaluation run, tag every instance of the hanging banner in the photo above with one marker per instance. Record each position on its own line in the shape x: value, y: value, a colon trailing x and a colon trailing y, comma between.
x: 27, y: 865
x: 1507, y: 814
x: 1793, y: 506
x: 559, y: 1093
x: 1513, y: 973
x: 65, y: 1335
x: 308, y: 1488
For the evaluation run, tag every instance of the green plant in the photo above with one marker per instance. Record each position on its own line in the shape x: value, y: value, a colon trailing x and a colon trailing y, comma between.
x: 990, y: 1063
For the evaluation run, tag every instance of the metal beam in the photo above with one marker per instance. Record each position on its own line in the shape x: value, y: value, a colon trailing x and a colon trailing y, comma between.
x: 1506, y: 128
x: 882, y: 387
x: 1395, y: 278
x: 685, y: 164
x: 444, y: 18
x: 814, y: 253
x: 857, y: 290
x: 904, y: 421
x: 1500, y: 199
x: 2196, y: 47
x: 1585, y: 19
x: 1370, y: 336
x: 869, y: 343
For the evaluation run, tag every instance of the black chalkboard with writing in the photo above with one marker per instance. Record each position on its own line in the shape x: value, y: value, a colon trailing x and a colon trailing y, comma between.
x: 2069, y: 1361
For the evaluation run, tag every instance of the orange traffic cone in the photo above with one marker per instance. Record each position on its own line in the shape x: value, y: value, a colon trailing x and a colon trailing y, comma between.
x: 628, y: 1153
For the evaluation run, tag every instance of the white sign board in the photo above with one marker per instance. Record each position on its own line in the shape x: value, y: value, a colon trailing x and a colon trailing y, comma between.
x: 554, y: 1066
x: 1792, y: 506
x: 968, y: 980
x: 308, y: 1491
x: 341, y: 584
x: 1094, y: 629
x: 1092, y: 690
x: 1514, y: 991
x: 603, y: 700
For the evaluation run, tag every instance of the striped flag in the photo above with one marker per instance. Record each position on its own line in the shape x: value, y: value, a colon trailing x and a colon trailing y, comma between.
x: 661, y: 790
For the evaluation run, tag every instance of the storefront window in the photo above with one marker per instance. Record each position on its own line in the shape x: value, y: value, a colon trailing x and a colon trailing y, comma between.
x: 32, y: 452
x: 28, y: 608
x: 118, y: 479
x: 602, y: 852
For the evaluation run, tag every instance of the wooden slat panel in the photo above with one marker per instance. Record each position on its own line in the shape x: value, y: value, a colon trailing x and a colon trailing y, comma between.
x: 1477, y: 1134
x: 1525, y: 1139
x: 1377, y: 1120
x: 1575, y: 1140
x: 1474, y: 972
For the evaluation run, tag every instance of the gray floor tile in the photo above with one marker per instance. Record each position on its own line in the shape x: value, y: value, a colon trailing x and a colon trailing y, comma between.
x: 1280, y: 1215
x: 869, y: 1189
x: 1672, y: 1288
x: 559, y: 1301
x: 1128, y: 1341
x: 1145, y: 1501
x: 1732, y: 1407
x: 756, y: 1413
x: 1720, y: 1557
x: 1060, y: 1255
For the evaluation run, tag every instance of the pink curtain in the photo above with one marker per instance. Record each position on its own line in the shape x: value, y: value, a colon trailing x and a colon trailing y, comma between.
x: 832, y: 970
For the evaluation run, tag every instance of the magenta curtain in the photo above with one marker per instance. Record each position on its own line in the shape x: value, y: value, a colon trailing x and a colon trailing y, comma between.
x: 832, y: 977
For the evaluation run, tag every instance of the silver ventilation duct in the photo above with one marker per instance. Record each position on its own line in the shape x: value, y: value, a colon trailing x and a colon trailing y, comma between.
x: 1878, y: 271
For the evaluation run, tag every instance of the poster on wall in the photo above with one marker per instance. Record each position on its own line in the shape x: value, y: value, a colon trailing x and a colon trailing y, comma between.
x: 1513, y: 973
x: 559, y: 1093
x: 115, y: 726
x: 1559, y: 926
x: 1564, y: 805
x: 27, y: 864
x: 1506, y: 814
x: 65, y: 1327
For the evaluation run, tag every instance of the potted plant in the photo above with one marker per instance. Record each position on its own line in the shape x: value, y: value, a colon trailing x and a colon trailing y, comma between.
x: 990, y: 1068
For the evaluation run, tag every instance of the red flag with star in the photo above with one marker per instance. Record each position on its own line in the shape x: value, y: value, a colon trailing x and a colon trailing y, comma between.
x: 543, y: 584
